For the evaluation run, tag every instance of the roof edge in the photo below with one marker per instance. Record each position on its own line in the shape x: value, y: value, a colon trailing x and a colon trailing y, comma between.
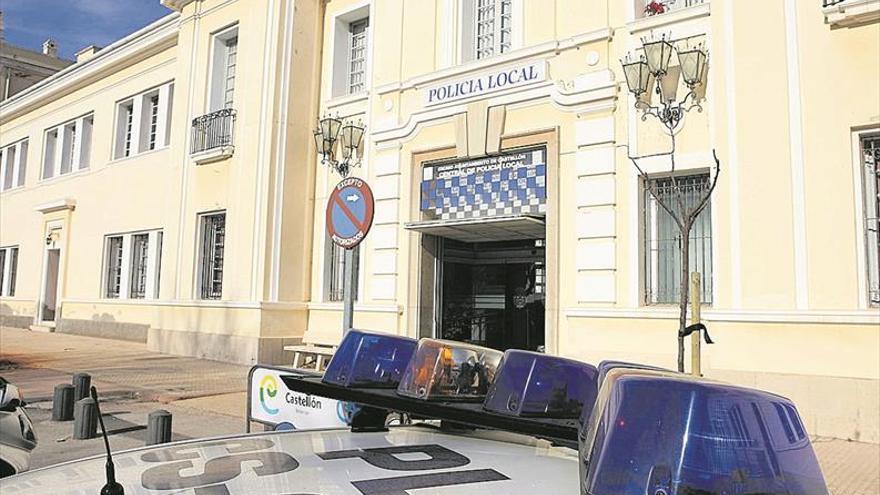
x: 150, y: 35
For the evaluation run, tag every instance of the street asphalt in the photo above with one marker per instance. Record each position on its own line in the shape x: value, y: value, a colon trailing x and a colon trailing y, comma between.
x: 208, y: 398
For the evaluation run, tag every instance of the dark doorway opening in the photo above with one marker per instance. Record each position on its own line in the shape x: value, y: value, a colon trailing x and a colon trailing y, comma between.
x: 493, y: 293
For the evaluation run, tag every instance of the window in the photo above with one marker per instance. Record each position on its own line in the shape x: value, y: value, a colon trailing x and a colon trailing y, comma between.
x: 334, y: 271
x: 357, y: 57
x: 662, y: 241
x: 114, y: 267
x: 487, y: 28
x: 142, y: 122
x: 870, y: 151
x: 223, y: 69
x: 351, y: 52
x: 13, y: 163
x: 132, y: 265
x: 8, y: 270
x: 213, y: 241
x: 154, y: 122
x: 68, y: 147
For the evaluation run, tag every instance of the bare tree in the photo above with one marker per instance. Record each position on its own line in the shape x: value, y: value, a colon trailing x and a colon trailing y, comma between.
x: 684, y: 216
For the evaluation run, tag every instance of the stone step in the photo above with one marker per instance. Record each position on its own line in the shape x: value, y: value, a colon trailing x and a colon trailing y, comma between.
x: 42, y: 328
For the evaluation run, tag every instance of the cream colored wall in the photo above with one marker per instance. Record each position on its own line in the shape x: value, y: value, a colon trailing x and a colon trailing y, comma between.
x: 802, y: 330
x: 266, y: 187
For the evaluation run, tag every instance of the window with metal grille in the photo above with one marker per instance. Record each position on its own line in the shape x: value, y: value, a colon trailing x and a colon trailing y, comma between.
x: 357, y: 59
x: 129, y: 121
x: 13, y: 163
x: 113, y: 276
x: 663, y: 240
x: 871, y: 190
x: 213, y: 243
x: 335, y: 272
x: 10, y: 271
x: 492, y: 32
x: 154, y: 122
x: 140, y: 248
x: 229, y: 82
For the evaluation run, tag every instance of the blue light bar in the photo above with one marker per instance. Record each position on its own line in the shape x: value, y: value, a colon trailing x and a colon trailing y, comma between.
x: 372, y: 360
x: 537, y: 385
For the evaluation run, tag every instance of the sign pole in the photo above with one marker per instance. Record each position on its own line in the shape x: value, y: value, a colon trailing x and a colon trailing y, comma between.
x: 348, y: 289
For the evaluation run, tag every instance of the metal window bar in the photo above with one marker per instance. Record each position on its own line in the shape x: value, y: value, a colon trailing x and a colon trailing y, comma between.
x: 871, y: 167
x: 357, y: 56
x: 485, y: 28
x: 140, y: 244
x: 114, y: 267
x: 213, y: 244
x: 213, y: 130
x: 129, y: 115
x: 505, y: 26
x: 154, y: 121
x: 662, y: 241
x: 336, y: 266
x: 229, y: 87
x: 13, y: 270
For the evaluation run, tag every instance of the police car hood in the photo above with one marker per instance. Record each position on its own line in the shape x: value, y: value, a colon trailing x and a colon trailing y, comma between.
x: 403, y: 461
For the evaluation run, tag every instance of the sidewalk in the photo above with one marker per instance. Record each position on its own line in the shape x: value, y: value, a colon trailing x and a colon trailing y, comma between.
x: 209, y: 397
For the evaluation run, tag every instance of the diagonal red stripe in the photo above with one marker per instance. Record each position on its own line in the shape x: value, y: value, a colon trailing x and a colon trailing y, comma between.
x: 357, y: 223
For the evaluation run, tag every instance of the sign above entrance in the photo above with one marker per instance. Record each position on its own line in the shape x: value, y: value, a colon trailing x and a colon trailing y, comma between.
x: 349, y: 212
x: 487, y: 82
x: 512, y: 183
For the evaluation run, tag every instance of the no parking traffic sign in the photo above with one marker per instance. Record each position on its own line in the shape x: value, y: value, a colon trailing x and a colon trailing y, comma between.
x: 349, y: 212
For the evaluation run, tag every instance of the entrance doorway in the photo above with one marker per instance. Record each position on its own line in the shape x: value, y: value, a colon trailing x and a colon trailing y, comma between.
x: 50, y: 286
x: 492, y: 293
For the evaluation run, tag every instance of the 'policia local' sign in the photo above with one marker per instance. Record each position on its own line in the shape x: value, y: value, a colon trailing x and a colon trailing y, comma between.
x: 497, y: 80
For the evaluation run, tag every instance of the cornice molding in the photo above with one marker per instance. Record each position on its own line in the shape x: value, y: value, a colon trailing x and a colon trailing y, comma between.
x: 138, y: 45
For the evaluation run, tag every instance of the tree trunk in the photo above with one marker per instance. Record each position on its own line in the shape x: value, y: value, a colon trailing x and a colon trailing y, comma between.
x: 683, y: 290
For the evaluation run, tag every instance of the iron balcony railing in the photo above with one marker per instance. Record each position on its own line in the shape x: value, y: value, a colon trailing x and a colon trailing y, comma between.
x: 213, y: 130
x: 828, y: 3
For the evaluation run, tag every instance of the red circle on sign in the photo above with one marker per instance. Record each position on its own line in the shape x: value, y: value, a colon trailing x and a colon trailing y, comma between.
x: 339, y: 212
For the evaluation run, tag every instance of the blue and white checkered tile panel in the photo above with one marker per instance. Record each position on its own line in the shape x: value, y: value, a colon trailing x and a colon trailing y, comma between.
x: 519, y: 189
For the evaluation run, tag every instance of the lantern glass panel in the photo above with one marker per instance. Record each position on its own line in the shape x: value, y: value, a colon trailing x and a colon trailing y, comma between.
x: 692, y: 64
x: 658, y: 54
x: 669, y: 83
x: 636, y: 74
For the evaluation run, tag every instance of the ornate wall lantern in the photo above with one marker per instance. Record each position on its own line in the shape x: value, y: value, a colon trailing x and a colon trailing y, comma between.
x: 331, y: 134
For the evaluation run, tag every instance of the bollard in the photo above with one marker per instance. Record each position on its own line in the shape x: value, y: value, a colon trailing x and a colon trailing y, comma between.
x: 81, y: 383
x: 85, y: 419
x: 158, y: 427
x: 62, y: 402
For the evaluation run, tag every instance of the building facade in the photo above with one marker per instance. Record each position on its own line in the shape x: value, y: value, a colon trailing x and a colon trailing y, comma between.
x: 142, y: 195
x: 509, y: 214
x: 167, y: 189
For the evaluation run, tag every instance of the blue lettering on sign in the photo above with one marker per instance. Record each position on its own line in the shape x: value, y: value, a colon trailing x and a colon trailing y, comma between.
x: 485, y: 83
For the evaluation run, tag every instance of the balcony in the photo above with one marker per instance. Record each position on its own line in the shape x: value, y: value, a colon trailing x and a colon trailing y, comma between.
x: 212, y: 136
x: 651, y: 8
x: 850, y: 13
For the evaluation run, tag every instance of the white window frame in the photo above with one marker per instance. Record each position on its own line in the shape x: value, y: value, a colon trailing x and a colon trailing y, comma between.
x: 220, y: 95
x: 650, y: 208
x: 201, y: 292
x: 67, y: 147
x: 134, y: 122
x: 341, y: 49
x: 153, y: 264
x: 13, y: 162
x: 866, y: 265
x: 8, y: 270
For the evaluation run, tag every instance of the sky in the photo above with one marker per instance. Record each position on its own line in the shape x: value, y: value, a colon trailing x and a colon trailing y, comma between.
x: 75, y: 24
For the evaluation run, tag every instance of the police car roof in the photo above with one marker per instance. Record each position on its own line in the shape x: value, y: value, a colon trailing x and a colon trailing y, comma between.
x: 330, y: 462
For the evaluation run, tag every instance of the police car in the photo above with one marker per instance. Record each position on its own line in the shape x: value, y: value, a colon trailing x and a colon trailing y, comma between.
x: 484, y: 422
